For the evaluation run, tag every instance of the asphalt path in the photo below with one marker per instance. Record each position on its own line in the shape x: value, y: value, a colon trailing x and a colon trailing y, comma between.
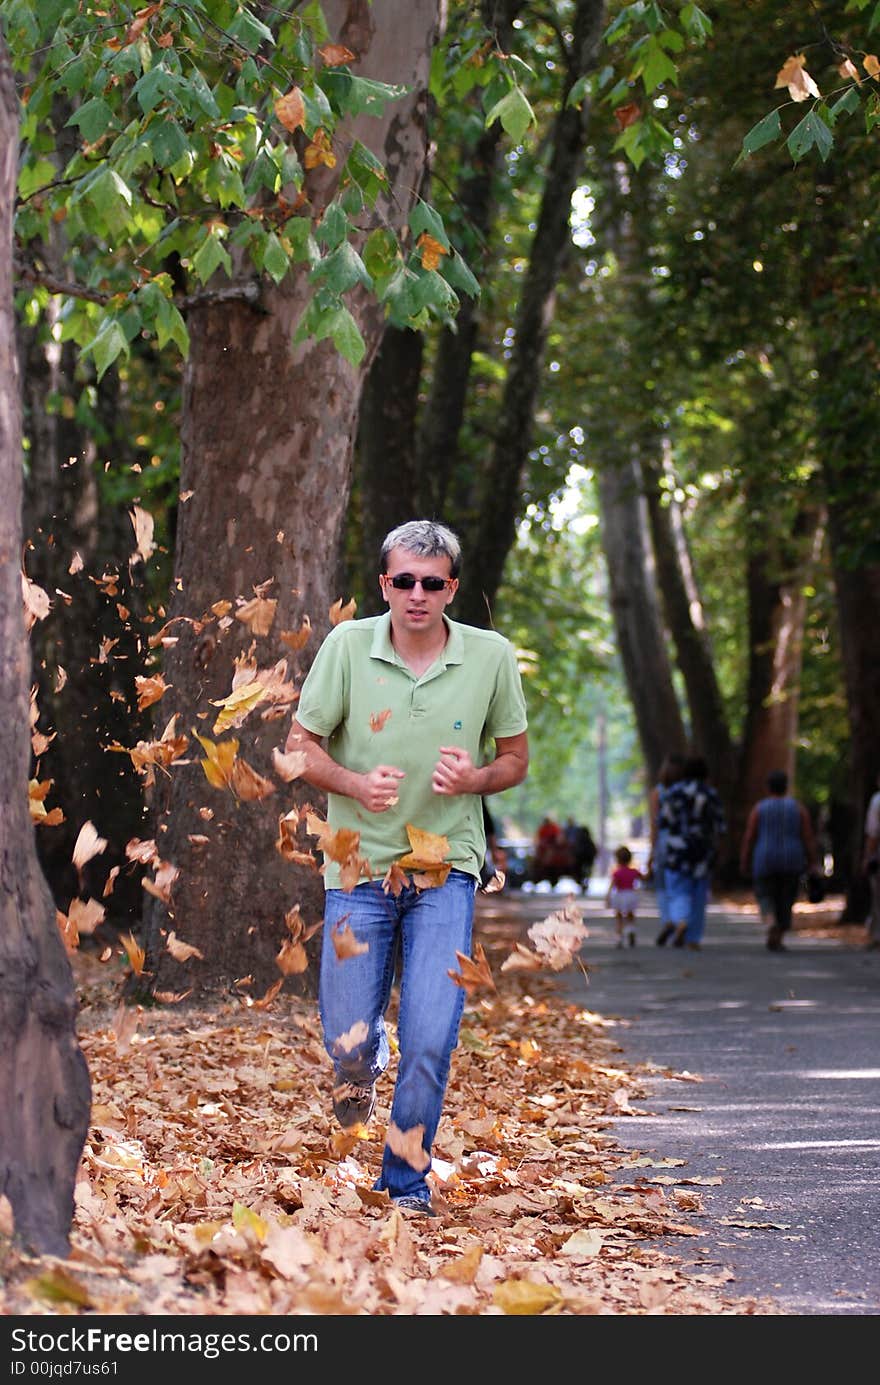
x: 765, y: 1075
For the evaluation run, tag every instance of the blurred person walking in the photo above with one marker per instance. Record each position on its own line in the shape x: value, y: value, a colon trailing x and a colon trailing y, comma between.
x: 670, y: 773
x: 778, y: 845
x: 693, y: 819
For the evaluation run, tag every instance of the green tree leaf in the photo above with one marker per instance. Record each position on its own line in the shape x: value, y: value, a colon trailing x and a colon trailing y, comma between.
x: 811, y: 131
x: 514, y: 112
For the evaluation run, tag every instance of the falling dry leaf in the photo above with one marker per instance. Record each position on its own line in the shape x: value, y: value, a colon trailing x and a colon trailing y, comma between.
x: 134, y: 952
x: 292, y: 958
x: 87, y: 845
x: 475, y: 972
x: 162, y: 883
x: 407, y: 1145
x: 296, y: 639
x: 378, y: 719
x: 257, y: 614
x: 149, y: 690
x: 352, y: 1037
x: 288, y: 765
x: 181, y: 951
x: 36, y: 602
x: 345, y: 944
x: 237, y: 706
x: 85, y: 915
x: 338, y: 613
x: 427, y: 857
x: 142, y: 523
x: 247, y: 785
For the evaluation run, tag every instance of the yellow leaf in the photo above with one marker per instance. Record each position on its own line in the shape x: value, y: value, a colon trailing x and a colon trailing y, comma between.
x: 319, y: 151
x: 250, y: 1224
x: 221, y: 759
x: 57, y: 1286
x: 526, y: 1297
x: 237, y: 705
x: 431, y: 250
x: 135, y: 953
x: 871, y: 64
x: 247, y: 784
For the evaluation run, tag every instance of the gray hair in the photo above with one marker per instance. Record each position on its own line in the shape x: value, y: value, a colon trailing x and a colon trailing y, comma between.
x: 425, y: 539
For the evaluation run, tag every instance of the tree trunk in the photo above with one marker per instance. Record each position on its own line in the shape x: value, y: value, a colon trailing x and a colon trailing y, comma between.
x: 44, y: 1082
x: 502, y: 484
x: 267, y: 438
x: 386, y: 462
x: 682, y: 608
x: 844, y: 321
x: 776, y: 611
x: 636, y: 613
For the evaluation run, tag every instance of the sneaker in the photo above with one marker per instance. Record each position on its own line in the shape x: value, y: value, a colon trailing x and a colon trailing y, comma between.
x: 421, y: 1205
x: 678, y: 940
x: 664, y: 935
x: 353, y: 1104
x: 631, y: 937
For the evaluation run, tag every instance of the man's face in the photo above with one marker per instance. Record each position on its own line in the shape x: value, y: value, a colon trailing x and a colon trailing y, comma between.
x: 414, y: 609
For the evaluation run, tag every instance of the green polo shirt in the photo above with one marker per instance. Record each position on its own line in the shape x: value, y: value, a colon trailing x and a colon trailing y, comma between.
x: 373, y: 710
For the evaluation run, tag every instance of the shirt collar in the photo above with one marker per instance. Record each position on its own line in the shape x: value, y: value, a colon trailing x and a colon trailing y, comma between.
x: 382, y: 648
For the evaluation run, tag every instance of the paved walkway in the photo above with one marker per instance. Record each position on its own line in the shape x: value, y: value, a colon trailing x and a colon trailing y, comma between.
x: 786, y: 1111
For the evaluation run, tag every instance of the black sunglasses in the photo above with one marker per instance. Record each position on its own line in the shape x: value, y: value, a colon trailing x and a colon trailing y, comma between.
x: 404, y: 582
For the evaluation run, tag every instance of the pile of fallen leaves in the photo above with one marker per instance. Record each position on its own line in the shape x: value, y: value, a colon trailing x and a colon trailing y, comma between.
x: 215, y: 1181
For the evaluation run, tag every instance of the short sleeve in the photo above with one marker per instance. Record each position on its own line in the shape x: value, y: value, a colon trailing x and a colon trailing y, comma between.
x: 321, y: 705
x: 507, y: 710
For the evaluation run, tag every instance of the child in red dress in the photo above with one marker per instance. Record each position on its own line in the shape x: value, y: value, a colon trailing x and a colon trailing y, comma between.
x: 622, y: 896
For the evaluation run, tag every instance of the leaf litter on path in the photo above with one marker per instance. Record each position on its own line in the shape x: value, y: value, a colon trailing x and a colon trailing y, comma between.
x: 214, y: 1180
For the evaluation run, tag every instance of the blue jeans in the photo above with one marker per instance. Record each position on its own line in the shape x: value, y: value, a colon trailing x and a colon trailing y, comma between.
x: 686, y: 900
x: 430, y: 926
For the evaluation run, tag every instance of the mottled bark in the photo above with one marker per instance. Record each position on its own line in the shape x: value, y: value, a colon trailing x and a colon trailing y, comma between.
x: 386, y: 446
x: 844, y: 321
x: 636, y: 613
x: 682, y: 609
x: 44, y: 1081
x: 776, y: 614
x: 267, y: 440
x: 502, y: 482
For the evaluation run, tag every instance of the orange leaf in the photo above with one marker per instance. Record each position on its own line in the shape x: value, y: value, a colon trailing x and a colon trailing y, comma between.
x: 794, y: 75
x: 257, y: 614
x: 338, y: 612
x: 295, y: 639
x: 135, y: 954
x: 291, y: 109
x: 319, y: 151
x: 475, y: 972
x: 432, y: 251
x: 627, y: 115
x: 149, y: 690
x: 291, y: 958
x: 345, y: 944
x: 378, y: 719
x: 335, y: 53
